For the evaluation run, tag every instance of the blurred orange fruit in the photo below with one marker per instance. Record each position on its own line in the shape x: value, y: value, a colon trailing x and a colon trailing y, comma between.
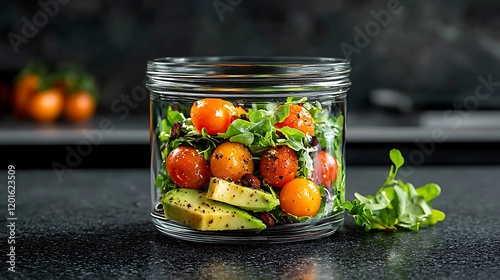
x: 22, y: 92
x: 79, y: 106
x: 46, y: 106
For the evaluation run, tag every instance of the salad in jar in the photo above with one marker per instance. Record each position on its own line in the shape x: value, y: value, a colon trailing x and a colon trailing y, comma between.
x: 242, y: 166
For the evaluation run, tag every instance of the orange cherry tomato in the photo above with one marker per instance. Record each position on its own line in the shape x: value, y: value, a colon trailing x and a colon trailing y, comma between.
x: 231, y: 160
x: 299, y: 119
x: 22, y: 92
x: 279, y: 165
x: 187, y: 168
x: 300, y: 197
x: 79, y: 106
x: 46, y: 106
x: 213, y: 114
x: 325, y: 169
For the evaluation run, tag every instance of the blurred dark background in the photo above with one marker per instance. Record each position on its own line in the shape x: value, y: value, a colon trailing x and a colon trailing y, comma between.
x: 410, y: 59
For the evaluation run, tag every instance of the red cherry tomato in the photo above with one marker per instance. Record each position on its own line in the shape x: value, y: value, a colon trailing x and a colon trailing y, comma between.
x: 325, y: 169
x: 279, y: 165
x: 187, y: 168
x: 213, y: 114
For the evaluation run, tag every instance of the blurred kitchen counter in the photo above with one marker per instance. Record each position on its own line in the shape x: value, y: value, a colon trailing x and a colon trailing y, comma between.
x: 370, y: 127
x: 96, y: 224
x: 100, y: 129
x: 431, y: 136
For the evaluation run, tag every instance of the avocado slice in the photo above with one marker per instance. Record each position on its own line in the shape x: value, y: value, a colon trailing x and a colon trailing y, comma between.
x: 243, y: 197
x: 193, y: 209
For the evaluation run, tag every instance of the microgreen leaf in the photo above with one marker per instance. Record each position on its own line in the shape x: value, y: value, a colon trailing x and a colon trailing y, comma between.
x: 397, y: 158
x: 294, y: 138
x: 398, y: 161
x: 429, y: 191
x: 245, y: 138
x: 305, y: 164
x: 282, y: 112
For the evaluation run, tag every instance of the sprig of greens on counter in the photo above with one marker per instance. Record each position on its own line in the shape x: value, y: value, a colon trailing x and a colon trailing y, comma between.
x: 397, y: 204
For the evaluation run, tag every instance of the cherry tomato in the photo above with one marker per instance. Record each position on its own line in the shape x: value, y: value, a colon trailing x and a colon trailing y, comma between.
x: 187, y: 168
x: 213, y: 114
x: 299, y: 119
x: 300, y: 197
x: 231, y: 160
x: 279, y: 165
x: 325, y: 169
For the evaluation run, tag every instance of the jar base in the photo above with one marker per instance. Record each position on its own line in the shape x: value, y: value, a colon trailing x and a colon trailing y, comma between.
x: 277, y: 234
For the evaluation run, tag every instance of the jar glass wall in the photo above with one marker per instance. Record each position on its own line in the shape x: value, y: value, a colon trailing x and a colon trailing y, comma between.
x: 247, y: 149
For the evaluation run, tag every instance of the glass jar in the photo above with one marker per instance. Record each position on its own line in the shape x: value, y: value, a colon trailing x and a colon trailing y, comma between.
x: 247, y: 149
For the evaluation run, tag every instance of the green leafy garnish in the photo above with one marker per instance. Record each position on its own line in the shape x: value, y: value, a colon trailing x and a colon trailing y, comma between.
x: 396, y: 204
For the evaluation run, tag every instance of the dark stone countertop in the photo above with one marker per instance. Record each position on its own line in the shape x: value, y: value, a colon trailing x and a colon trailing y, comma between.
x: 95, y: 224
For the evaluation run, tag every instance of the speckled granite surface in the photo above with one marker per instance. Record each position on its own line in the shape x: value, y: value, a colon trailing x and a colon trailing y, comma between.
x: 95, y: 224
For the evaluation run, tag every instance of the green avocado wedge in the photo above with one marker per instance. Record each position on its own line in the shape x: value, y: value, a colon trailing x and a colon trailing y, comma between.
x: 243, y: 197
x: 193, y: 209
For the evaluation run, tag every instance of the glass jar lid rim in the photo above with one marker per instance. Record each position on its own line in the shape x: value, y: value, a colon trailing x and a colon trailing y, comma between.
x: 248, y: 67
x: 245, y: 74
x: 248, y: 61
